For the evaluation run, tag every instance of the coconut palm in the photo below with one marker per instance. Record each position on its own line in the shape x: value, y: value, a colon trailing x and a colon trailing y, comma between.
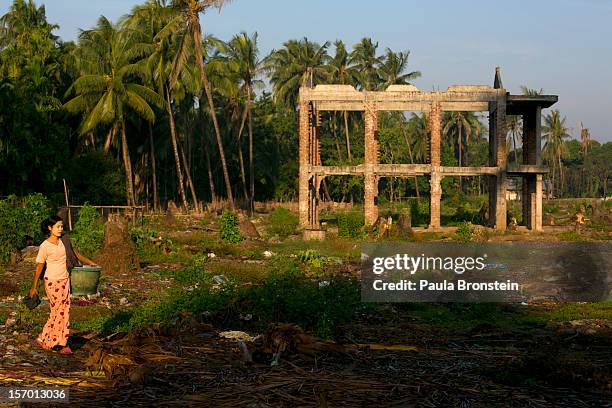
x: 531, y: 92
x: 366, y: 62
x: 554, y: 133
x: 515, y: 128
x: 151, y: 19
x: 392, y: 69
x: 243, y: 59
x: 463, y: 125
x: 108, y: 89
x: 298, y: 63
x: 189, y: 31
x: 342, y: 73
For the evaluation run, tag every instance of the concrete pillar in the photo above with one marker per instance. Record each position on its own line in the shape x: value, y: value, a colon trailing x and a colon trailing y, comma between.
x: 435, y: 123
x: 304, y: 171
x: 538, y: 203
x: 532, y: 154
x: 528, y: 200
x: 435, y: 189
x: 532, y: 136
x: 435, y: 194
x: 498, y: 158
x: 370, y: 161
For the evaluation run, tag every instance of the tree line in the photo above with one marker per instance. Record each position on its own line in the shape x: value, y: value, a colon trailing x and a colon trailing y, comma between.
x: 149, y: 109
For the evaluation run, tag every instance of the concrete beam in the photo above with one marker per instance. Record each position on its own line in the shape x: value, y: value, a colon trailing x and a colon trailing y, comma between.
x: 518, y: 169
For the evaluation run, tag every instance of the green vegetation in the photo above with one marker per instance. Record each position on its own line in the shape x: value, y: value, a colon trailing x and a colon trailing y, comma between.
x: 228, y: 228
x: 350, y: 224
x: 18, y: 218
x: 285, y: 295
x: 465, y: 232
x: 282, y: 222
x: 88, y: 231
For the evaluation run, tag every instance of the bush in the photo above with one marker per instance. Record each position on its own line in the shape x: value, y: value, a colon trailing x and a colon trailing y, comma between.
x: 350, y: 224
x: 88, y: 231
x: 283, y: 222
x: 142, y: 235
x: 18, y: 218
x: 465, y: 232
x: 229, y: 231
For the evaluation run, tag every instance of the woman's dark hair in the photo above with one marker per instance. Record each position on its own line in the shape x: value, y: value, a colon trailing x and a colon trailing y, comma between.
x: 49, y: 223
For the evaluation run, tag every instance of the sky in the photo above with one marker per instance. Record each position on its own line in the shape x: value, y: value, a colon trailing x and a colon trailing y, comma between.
x: 561, y: 46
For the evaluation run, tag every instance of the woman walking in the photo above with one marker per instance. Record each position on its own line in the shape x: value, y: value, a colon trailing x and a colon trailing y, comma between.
x: 54, y: 253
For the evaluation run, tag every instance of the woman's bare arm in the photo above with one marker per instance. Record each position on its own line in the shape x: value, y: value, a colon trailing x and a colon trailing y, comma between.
x: 34, y: 290
x: 83, y: 259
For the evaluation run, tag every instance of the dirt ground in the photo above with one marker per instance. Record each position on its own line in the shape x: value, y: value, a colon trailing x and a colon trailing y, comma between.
x: 398, y: 358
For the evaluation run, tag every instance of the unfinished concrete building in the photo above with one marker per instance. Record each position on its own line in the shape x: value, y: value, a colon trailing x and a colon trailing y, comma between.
x: 476, y: 98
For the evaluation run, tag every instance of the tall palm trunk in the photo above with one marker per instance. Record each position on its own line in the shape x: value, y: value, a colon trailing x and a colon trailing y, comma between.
x: 211, y: 182
x: 251, y: 163
x: 196, y: 206
x: 177, y: 159
x: 346, y: 132
x: 127, y: 162
x: 197, y: 37
x: 416, y: 180
x: 240, y: 157
x: 153, y: 168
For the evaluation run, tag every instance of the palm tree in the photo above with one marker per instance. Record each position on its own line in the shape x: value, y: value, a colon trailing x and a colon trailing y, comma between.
x: 463, y: 124
x: 187, y: 24
x: 298, y: 63
x: 515, y: 127
x: 159, y: 49
x: 24, y: 21
x: 554, y: 133
x: 366, y: 62
x: 585, y: 138
x: 243, y: 55
x: 392, y: 70
x: 531, y: 92
x: 342, y: 73
x: 108, y: 88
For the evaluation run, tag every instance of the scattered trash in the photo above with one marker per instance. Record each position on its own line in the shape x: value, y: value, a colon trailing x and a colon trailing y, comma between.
x: 211, y: 255
x: 123, y: 301
x: 236, y: 335
x: 220, y: 279
x: 268, y: 254
x: 323, y: 284
x: 246, y: 317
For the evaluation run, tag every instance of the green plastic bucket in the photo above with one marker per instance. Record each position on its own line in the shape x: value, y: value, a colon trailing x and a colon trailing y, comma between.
x: 84, y: 280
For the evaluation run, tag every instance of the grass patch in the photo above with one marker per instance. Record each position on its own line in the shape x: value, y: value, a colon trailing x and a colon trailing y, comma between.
x: 572, y: 235
x: 286, y: 295
x: 282, y: 222
x: 578, y: 311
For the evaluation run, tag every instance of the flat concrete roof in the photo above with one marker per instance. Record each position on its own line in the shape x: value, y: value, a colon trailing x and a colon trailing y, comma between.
x: 519, y: 104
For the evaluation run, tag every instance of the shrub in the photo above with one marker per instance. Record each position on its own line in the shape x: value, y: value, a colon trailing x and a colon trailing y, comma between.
x: 283, y: 222
x: 142, y: 235
x: 350, y: 224
x: 228, y: 230
x: 465, y: 232
x: 18, y: 218
x: 88, y: 231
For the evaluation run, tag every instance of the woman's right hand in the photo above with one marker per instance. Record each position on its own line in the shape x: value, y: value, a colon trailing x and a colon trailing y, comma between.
x: 32, y: 292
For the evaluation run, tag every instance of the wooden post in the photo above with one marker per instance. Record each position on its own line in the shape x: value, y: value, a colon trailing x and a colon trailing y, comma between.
x: 67, y: 205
